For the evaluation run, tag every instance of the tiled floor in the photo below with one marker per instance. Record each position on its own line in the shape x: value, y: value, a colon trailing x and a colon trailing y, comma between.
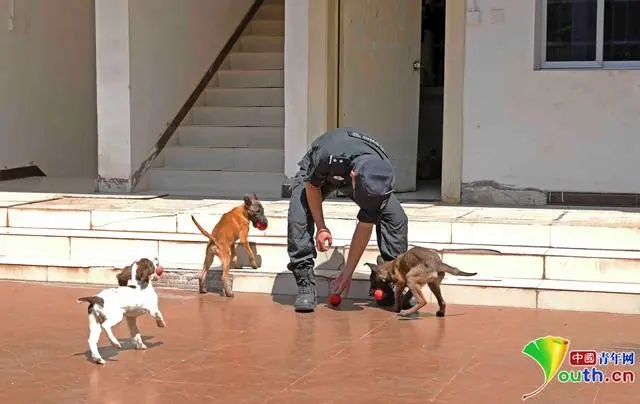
x: 252, y: 349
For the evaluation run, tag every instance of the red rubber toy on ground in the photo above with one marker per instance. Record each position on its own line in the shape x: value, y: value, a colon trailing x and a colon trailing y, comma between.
x: 378, y: 294
x: 335, y: 300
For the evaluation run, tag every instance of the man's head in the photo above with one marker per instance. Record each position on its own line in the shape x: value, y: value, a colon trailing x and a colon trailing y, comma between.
x: 372, y: 179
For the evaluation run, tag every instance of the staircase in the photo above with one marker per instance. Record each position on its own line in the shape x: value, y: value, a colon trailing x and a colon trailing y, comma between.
x: 233, y: 142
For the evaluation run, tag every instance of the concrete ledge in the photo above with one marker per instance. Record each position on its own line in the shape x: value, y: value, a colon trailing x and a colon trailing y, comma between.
x: 89, y: 248
x: 429, y: 223
x: 529, y: 293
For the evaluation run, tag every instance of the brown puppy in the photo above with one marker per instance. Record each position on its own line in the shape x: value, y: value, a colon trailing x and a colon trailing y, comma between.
x: 417, y: 267
x: 233, y: 226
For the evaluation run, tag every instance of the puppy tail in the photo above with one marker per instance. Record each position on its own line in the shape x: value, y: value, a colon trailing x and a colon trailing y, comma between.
x: 95, y: 307
x: 92, y: 300
x: 454, y: 271
x: 202, y: 230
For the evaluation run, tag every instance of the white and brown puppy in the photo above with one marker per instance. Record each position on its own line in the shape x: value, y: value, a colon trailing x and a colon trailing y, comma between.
x: 110, y: 306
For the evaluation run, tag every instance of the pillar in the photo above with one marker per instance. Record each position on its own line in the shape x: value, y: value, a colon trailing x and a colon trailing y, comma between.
x: 113, y: 95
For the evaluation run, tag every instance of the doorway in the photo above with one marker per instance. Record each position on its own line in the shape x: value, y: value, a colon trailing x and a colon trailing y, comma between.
x: 430, y: 127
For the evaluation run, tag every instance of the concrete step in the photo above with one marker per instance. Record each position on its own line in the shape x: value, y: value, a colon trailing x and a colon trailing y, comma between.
x: 256, y: 61
x: 224, y: 159
x: 245, y: 97
x: 224, y: 184
x: 239, y: 116
x: 38, y: 254
x: 61, y: 239
x: 271, y: 137
x: 266, y: 27
x: 250, y: 78
x: 260, y: 43
x: 270, y: 12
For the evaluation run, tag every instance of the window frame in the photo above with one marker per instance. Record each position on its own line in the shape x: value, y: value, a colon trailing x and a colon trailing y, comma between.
x: 599, y: 63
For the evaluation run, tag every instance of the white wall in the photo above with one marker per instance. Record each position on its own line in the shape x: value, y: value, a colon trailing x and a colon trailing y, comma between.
x: 554, y: 130
x: 171, y: 44
x: 48, y: 87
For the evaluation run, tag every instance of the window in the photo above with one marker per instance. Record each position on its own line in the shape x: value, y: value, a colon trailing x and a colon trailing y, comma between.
x: 590, y: 33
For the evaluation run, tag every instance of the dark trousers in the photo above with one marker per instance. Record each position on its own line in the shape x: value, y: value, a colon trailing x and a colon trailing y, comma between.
x: 391, y: 229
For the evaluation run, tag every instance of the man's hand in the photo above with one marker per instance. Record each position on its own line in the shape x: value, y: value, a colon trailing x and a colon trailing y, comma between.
x: 361, y: 236
x: 342, y: 284
x: 324, y: 240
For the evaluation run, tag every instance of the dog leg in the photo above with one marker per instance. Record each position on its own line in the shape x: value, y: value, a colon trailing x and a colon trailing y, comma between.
x: 157, y: 315
x: 398, y: 296
x: 435, y: 289
x: 135, y: 333
x: 244, y: 234
x: 208, y: 260
x: 234, y: 257
x: 421, y: 301
x: 226, y: 261
x: 94, y: 336
x: 110, y: 322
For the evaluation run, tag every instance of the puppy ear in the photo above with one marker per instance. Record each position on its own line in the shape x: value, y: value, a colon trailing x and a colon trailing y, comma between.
x: 379, y: 260
x: 247, y: 201
x: 145, y: 274
x: 255, y: 197
x: 373, y: 267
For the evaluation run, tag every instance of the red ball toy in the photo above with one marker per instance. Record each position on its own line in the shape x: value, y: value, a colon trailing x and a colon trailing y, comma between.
x: 335, y: 300
x: 261, y: 226
x: 159, y: 270
x: 378, y: 294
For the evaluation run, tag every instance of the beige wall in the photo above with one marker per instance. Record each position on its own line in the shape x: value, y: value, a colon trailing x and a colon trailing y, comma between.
x: 553, y: 130
x: 151, y: 56
x: 48, y: 87
x: 172, y: 44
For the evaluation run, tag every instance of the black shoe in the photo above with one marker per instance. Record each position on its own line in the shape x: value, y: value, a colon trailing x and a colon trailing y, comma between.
x: 306, y: 300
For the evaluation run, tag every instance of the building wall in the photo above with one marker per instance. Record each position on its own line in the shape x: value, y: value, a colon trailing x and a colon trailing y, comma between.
x: 171, y: 45
x: 48, y: 86
x: 553, y: 130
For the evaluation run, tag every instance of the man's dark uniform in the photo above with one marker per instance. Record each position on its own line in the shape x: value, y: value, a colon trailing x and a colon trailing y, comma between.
x: 327, y: 165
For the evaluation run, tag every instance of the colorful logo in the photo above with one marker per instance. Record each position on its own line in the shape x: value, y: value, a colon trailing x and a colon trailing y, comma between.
x: 550, y: 352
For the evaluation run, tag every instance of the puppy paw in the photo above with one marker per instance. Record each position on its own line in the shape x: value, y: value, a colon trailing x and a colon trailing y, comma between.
x: 99, y: 361
x: 440, y: 313
x: 404, y: 313
x: 161, y: 323
x: 140, y: 345
x: 116, y: 345
x: 254, y: 265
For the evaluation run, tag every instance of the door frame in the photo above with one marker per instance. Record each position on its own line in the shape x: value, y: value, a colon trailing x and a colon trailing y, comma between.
x: 322, y: 97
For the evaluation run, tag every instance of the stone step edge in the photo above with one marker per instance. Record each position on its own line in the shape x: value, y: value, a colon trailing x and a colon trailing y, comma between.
x: 337, y: 243
x: 281, y: 214
x: 101, y: 275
